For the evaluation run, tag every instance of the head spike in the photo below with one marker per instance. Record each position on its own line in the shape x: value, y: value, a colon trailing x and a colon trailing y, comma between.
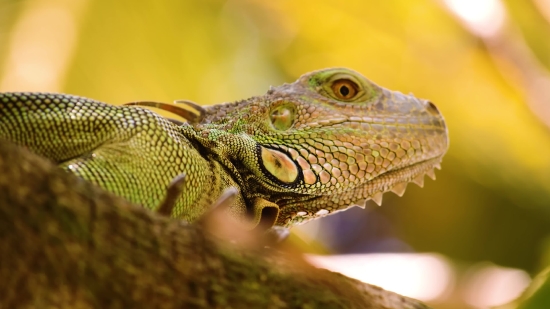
x: 198, y: 110
x: 360, y: 203
x: 399, y: 188
x: 419, y: 180
x: 195, y: 114
x: 431, y: 174
x: 438, y: 165
x: 377, y: 198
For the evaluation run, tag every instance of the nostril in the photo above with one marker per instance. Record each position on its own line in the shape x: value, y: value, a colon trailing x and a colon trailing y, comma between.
x: 431, y: 108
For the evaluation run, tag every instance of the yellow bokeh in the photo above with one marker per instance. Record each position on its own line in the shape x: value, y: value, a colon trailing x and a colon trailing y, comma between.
x: 489, y: 84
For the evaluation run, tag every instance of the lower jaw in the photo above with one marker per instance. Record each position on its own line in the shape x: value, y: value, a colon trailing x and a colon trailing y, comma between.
x: 397, y: 180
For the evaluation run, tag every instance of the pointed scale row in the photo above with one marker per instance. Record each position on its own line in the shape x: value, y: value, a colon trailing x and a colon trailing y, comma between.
x: 399, y: 188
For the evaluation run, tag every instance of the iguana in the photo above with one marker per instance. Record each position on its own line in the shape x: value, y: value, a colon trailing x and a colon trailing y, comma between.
x: 322, y: 144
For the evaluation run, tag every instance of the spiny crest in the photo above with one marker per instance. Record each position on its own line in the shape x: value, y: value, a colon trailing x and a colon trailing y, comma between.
x: 399, y: 187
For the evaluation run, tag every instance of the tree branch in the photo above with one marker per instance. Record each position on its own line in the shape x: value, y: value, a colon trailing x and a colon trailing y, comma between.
x: 69, y: 244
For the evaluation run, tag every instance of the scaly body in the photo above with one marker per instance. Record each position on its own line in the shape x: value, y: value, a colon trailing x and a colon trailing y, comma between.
x: 328, y: 141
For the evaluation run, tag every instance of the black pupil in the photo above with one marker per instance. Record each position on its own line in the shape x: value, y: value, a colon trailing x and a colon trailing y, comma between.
x: 344, y: 90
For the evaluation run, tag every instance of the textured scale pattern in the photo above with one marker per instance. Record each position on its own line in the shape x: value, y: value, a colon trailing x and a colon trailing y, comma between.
x: 129, y: 151
x: 326, y: 142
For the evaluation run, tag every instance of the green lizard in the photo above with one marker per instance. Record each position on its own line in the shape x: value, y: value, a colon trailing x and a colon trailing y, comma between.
x: 322, y: 144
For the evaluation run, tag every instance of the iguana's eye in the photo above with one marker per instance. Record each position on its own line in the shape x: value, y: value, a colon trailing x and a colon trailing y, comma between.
x: 345, y: 89
x: 341, y: 84
x: 282, y: 117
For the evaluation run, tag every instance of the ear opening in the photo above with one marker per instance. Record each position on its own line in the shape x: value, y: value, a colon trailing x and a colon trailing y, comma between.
x: 265, y: 214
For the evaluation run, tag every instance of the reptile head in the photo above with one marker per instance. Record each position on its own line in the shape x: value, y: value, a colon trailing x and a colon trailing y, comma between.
x: 328, y: 141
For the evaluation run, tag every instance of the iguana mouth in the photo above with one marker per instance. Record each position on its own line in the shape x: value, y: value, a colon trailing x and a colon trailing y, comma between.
x: 395, y: 181
x: 387, y: 181
x: 287, y: 171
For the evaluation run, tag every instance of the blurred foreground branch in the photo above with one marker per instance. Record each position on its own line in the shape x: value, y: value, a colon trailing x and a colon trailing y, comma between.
x: 65, y: 243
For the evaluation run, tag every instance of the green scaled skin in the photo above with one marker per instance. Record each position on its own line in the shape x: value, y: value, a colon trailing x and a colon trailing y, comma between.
x: 322, y: 144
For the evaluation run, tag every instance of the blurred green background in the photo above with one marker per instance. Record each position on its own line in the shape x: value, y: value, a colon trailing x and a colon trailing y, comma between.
x: 489, y: 77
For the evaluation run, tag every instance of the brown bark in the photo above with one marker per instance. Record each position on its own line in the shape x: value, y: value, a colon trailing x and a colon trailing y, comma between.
x: 65, y: 243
